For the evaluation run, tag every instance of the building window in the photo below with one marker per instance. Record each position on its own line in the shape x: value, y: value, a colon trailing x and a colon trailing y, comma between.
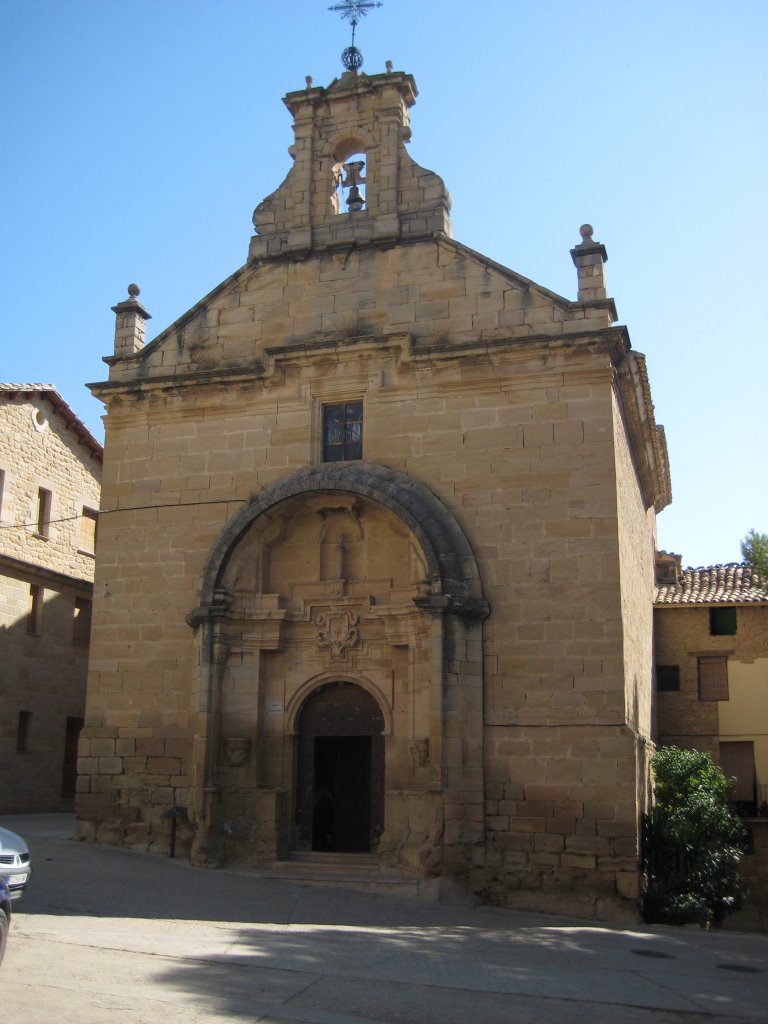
x: 22, y: 730
x: 89, y: 519
x: 342, y: 432
x: 43, y: 512
x: 35, y: 611
x: 713, y: 678
x: 667, y: 678
x: 722, y: 621
x: 81, y: 627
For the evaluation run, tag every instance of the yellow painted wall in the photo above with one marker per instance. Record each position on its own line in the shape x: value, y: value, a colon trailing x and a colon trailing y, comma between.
x: 744, y: 716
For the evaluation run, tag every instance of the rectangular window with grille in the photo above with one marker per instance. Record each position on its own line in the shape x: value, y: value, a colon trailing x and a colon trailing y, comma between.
x: 342, y: 431
x: 713, y: 678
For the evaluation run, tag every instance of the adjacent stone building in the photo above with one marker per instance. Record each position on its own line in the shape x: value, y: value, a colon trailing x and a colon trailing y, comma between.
x: 378, y: 573
x: 50, y: 470
x: 711, y: 627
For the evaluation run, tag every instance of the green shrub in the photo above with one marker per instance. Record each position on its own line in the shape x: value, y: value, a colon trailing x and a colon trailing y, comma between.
x: 692, y: 842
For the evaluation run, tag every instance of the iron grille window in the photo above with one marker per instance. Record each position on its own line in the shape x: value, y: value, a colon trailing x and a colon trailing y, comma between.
x: 342, y: 432
x: 713, y: 678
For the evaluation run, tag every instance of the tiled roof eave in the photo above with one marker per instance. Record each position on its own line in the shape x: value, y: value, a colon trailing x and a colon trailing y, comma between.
x: 712, y: 586
x: 709, y: 602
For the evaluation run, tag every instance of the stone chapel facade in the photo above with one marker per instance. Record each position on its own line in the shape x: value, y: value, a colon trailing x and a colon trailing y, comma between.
x: 377, y: 574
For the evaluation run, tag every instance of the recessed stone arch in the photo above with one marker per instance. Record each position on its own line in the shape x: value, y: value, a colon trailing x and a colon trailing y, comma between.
x: 404, y: 629
x: 452, y: 567
x: 344, y: 143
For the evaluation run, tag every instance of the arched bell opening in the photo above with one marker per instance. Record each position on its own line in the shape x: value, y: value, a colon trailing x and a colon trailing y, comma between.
x: 349, y: 159
x: 350, y: 181
x: 339, y: 771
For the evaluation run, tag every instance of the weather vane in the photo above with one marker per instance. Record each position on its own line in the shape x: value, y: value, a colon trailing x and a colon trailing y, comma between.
x: 352, y: 11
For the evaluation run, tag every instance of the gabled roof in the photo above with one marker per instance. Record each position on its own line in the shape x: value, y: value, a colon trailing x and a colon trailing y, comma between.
x: 733, y: 583
x: 72, y: 421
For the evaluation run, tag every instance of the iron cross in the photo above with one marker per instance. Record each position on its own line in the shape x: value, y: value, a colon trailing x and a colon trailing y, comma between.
x: 353, y: 10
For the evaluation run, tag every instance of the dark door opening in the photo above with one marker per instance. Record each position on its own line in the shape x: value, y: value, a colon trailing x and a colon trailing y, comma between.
x: 341, y: 817
x: 339, y: 771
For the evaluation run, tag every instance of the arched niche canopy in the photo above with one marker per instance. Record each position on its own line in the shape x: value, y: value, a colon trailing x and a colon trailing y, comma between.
x: 453, y: 572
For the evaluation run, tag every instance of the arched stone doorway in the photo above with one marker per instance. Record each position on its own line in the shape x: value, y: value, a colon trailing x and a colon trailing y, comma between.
x: 339, y: 771
x: 346, y: 577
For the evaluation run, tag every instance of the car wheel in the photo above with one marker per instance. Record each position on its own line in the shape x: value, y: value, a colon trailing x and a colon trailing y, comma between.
x: 3, y: 933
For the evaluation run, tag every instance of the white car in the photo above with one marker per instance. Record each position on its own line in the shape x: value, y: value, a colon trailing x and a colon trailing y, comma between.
x: 15, y: 868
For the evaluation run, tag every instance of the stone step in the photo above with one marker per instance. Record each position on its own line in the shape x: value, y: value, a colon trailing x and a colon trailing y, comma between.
x: 344, y: 871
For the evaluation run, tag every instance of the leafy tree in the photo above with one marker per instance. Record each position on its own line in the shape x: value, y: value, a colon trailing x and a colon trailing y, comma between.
x: 692, y: 842
x: 754, y: 551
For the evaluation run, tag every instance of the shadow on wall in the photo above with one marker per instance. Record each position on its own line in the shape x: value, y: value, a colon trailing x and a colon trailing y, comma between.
x: 42, y: 696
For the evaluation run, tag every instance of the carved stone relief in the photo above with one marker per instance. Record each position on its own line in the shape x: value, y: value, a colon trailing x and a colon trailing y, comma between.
x: 338, y: 630
x: 419, y: 751
x: 237, y: 751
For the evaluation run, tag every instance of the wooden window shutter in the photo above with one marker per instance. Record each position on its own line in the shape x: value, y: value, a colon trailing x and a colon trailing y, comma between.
x: 713, y: 678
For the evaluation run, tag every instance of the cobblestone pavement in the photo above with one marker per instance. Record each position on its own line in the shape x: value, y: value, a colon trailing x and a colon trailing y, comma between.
x: 106, y: 935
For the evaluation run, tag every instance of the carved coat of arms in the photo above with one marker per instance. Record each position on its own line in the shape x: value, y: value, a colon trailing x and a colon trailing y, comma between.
x: 338, y: 630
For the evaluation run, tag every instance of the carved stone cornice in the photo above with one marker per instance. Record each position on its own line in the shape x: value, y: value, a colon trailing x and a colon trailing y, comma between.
x: 403, y: 624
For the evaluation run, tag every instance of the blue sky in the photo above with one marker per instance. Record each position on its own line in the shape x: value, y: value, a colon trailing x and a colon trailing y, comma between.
x: 138, y: 137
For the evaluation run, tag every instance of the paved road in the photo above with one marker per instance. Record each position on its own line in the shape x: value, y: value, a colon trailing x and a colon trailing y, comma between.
x: 107, y: 935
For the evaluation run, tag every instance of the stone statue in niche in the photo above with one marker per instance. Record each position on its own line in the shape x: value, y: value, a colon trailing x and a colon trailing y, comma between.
x: 339, y: 549
x: 338, y: 582
x: 337, y: 630
x: 419, y: 751
x: 237, y: 751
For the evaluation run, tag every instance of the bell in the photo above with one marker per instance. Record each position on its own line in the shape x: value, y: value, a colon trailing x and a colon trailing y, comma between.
x: 355, y: 201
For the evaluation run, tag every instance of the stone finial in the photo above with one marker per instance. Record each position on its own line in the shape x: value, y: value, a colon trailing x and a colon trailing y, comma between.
x: 390, y: 67
x: 308, y: 80
x: 130, y: 323
x: 588, y: 257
